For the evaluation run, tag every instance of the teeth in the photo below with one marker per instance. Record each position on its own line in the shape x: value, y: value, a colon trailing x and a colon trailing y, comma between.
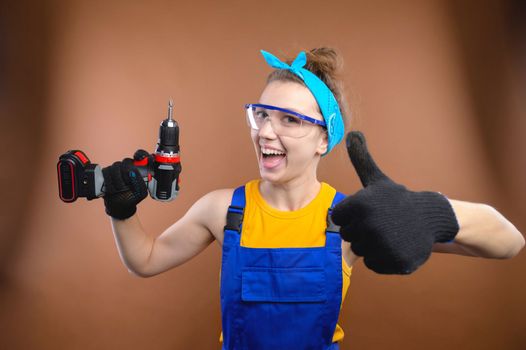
x: 267, y: 151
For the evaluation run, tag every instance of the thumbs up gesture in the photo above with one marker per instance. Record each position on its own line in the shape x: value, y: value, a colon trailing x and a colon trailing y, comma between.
x: 392, y: 227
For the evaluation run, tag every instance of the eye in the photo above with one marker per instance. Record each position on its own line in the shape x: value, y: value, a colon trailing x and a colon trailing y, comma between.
x: 261, y: 114
x: 290, y: 119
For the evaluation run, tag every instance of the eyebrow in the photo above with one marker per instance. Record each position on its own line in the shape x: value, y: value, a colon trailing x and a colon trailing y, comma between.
x: 307, y: 114
x: 297, y: 111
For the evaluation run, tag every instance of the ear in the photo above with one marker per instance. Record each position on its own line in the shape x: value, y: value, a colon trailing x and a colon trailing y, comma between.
x: 323, y: 144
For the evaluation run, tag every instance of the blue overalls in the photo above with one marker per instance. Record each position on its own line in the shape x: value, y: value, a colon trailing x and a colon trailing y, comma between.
x: 279, y: 298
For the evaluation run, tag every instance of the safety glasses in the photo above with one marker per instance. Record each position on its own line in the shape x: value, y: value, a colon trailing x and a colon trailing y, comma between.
x: 284, y: 121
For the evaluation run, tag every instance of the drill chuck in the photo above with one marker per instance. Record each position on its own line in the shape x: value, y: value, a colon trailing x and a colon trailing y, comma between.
x: 169, y: 136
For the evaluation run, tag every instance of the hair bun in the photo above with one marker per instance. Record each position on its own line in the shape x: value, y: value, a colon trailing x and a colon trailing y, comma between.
x: 324, y: 62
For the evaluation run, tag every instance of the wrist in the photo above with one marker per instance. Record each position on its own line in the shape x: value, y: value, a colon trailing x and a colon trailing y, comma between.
x: 439, y: 215
x: 118, y: 209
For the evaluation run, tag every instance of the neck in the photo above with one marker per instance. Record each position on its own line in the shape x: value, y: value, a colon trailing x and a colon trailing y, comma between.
x: 291, y: 195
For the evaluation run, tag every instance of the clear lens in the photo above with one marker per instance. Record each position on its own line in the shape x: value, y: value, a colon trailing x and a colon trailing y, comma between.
x: 283, y: 123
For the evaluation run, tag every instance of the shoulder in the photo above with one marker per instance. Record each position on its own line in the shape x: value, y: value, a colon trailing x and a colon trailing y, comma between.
x: 215, y: 197
x: 330, y: 189
x: 330, y: 194
x: 214, y: 203
x: 211, y: 210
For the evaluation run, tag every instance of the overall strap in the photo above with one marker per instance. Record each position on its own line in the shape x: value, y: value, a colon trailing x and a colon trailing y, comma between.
x: 234, y: 216
x: 331, y: 226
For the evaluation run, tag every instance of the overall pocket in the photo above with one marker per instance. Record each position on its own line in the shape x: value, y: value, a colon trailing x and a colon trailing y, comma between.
x: 283, y: 308
x: 283, y: 285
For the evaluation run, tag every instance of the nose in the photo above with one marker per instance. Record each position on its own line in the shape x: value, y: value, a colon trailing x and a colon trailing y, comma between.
x: 267, y: 130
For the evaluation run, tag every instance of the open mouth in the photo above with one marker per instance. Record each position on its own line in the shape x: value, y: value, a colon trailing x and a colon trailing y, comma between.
x: 271, y: 158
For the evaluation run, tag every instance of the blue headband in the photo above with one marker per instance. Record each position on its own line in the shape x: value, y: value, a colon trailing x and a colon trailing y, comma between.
x: 323, y: 95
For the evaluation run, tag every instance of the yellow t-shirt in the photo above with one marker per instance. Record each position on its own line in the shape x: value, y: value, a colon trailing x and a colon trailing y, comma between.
x: 266, y: 227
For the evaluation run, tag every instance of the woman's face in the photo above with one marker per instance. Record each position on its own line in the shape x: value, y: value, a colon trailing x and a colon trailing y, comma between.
x: 283, y: 158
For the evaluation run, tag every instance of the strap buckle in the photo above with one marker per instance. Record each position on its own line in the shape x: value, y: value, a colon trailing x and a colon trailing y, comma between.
x: 331, y: 226
x: 234, y: 218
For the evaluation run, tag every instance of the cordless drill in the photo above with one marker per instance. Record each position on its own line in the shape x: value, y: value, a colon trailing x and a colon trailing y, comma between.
x: 78, y: 177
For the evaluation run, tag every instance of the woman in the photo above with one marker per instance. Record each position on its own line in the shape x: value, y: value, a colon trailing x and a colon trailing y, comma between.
x: 285, y: 270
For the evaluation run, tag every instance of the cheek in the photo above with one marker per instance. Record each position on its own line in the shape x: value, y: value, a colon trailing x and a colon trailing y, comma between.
x: 299, y: 150
x: 308, y: 151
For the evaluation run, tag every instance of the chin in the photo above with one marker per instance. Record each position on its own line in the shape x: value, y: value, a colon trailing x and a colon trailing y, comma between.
x: 268, y: 176
x: 277, y: 178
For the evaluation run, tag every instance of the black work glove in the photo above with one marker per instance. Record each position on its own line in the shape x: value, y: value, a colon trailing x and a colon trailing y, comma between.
x: 392, y: 227
x: 124, y: 187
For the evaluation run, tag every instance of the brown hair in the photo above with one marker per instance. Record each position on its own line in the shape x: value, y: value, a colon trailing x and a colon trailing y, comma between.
x: 326, y: 64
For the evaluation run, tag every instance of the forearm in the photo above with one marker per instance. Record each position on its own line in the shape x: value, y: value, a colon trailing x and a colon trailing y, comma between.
x: 485, y: 232
x: 134, y: 244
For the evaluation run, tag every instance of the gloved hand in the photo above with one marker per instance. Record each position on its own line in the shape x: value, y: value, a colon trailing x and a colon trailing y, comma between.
x: 124, y: 187
x: 392, y: 227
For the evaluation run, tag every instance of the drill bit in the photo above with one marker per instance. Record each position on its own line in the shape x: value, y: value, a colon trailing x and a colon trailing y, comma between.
x: 170, y: 109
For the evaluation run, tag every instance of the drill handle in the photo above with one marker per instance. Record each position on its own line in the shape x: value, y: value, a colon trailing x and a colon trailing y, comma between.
x: 164, y: 185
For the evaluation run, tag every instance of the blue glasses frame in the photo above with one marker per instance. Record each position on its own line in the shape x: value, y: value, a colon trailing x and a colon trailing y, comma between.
x: 288, y: 111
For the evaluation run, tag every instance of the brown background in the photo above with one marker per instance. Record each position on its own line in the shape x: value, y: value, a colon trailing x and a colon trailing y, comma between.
x: 437, y: 87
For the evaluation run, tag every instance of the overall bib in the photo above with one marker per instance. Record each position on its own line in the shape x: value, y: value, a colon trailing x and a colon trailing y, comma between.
x: 279, y: 298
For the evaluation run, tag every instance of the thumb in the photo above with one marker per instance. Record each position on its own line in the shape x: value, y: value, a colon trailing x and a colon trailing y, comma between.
x: 140, y: 154
x: 363, y: 163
